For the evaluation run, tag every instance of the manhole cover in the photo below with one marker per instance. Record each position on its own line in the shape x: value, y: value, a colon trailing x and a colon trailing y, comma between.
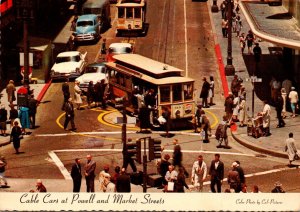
x: 260, y: 156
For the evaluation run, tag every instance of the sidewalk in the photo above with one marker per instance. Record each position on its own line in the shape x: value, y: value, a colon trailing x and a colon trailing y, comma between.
x: 274, y: 144
x: 39, y: 91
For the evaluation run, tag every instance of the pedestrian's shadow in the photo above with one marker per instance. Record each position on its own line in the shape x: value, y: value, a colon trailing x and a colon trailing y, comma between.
x: 4, y: 186
x: 165, y: 135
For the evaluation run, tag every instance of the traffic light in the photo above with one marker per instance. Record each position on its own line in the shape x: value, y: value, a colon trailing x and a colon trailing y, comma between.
x: 134, y: 151
x: 154, y: 148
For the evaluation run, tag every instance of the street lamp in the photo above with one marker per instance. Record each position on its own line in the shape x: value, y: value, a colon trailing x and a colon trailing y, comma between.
x: 229, y: 68
x: 214, y: 7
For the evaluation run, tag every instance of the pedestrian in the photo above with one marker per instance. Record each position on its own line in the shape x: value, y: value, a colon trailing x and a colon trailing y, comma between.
x: 66, y: 91
x: 206, y: 128
x: 275, y: 88
x: 109, y: 186
x: 73, y: 23
x: 235, y: 85
x: 236, y: 107
x: 243, y: 92
x: 229, y: 106
x: 266, y: 115
x: 180, y: 182
x: 24, y: 118
x: 89, y: 173
x: 204, y: 92
x: 221, y: 132
x: 13, y: 114
x: 102, y: 93
x: 3, y: 164
x: 255, y: 189
x: 3, y: 119
x: 171, y: 177
x: 116, y: 174
x: 216, y: 172
x: 102, y: 176
x: 257, y: 52
x: 287, y: 85
x: 76, y: 175
x: 199, y: 173
x: 233, y: 179
x: 198, y: 117
x: 224, y: 26
x: 244, y: 189
x: 166, y: 114
x: 278, y: 188
x: 239, y: 25
x: 177, y: 156
x: 242, y: 40
x: 134, y: 99
x: 77, y: 95
x: 69, y: 115
x: 284, y: 98
x: 291, y: 149
x: 90, y: 94
x: 163, y: 168
x: 128, y: 159
x: 250, y: 40
x: 211, y: 92
x: 32, y: 105
x: 103, y: 49
x: 240, y: 170
x: 15, y: 135
x: 242, y: 111
x: 294, y: 98
x: 279, y: 107
x: 10, y: 90
x: 40, y: 187
x: 97, y: 91
x: 123, y: 182
x: 223, y: 9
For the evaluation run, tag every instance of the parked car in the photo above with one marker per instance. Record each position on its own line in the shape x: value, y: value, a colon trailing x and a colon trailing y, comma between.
x: 93, y: 72
x: 118, y: 48
x: 88, y: 28
x: 68, y: 64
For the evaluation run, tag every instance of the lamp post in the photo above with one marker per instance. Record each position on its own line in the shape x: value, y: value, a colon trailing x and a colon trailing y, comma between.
x: 229, y: 68
x: 25, y: 13
x: 214, y: 7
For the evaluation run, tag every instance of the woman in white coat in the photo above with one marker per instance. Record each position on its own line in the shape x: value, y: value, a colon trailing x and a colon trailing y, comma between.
x: 242, y: 111
x: 77, y: 93
x: 266, y: 114
x: 291, y: 149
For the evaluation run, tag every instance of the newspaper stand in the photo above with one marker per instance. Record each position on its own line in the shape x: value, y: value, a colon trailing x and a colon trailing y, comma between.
x: 22, y: 97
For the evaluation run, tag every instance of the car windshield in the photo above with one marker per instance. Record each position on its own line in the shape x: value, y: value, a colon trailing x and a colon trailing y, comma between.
x: 75, y: 58
x: 120, y: 50
x: 84, y: 23
x: 99, y: 69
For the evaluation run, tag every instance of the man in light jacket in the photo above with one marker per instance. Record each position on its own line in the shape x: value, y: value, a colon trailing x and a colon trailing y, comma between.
x: 199, y: 173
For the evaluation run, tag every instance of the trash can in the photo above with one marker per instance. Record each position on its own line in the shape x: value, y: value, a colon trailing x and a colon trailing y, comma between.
x: 22, y: 97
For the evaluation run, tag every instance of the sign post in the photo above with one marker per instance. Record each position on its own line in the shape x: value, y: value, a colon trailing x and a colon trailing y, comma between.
x: 253, y: 79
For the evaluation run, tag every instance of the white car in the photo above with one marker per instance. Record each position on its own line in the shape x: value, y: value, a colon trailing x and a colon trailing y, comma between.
x: 93, y: 72
x: 68, y: 64
x: 118, y: 48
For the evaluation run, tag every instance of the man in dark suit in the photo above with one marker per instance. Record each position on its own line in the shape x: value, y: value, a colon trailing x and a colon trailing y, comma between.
x: 32, y: 105
x: 89, y: 173
x: 123, y: 182
x: 216, y: 173
x: 69, y: 116
x: 76, y: 175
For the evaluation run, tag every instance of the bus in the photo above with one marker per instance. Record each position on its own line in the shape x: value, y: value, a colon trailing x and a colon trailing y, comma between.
x: 131, y: 15
x: 172, y: 90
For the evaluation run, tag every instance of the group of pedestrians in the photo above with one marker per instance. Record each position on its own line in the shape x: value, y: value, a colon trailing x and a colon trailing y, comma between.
x: 118, y: 182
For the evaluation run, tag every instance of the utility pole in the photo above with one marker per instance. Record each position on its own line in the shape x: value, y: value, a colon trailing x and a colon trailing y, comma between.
x: 229, y: 68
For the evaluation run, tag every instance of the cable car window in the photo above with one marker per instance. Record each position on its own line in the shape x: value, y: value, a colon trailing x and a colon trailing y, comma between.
x: 165, y: 94
x: 128, y: 83
x: 177, y: 95
x: 137, y: 12
x: 121, y: 12
x: 188, y: 91
x: 129, y: 12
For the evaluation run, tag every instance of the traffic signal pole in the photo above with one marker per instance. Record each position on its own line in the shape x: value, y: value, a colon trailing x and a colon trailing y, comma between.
x: 124, y: 133
x: 144, y: 169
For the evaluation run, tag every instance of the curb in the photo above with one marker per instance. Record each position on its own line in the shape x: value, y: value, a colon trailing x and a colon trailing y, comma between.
x: 43, y: 91
x: 257, y: 148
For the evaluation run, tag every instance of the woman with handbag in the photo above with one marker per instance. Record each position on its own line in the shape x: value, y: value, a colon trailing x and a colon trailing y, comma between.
x: 77, y: 95
x: 16, y: 134
x: 171, y: 177
x: 180, y: 183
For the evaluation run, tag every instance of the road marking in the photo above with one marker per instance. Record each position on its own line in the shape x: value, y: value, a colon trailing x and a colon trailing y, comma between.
x: 185, y: 40
x: 60, y: 165
x: 67, y: 175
